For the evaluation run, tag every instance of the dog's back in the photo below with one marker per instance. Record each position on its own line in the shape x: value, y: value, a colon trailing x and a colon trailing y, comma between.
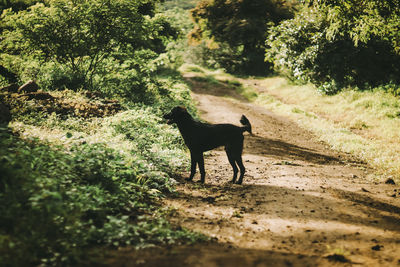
x: 210, y: 136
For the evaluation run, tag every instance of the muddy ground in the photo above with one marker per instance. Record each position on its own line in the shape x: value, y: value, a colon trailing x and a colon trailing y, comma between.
x: 301, y: 204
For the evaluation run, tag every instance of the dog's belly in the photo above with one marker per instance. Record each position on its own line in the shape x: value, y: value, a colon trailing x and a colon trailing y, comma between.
x: 204, y: 145
x: 211, y: 146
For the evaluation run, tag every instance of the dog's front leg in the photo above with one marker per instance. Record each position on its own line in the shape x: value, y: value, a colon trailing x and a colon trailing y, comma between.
x: 201, y: 168
x: 193, y: 163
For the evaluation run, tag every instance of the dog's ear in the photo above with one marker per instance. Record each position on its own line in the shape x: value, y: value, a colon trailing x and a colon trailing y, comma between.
x: 180, y: 110
x: 183, y: 108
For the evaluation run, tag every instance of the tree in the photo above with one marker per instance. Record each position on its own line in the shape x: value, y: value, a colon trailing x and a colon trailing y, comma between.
x: 80, y: 34
x: 362, y: 20
x: 336, y: 44
x: 240, y: 24
x: 17, y: 4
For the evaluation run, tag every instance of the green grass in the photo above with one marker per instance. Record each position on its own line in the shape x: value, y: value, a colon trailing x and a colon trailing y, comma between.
x: 364, y: 124
x: 218, y: 77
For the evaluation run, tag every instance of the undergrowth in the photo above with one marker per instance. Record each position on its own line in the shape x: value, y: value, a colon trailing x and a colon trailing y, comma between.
x: 87, y: 158
x: 89, y: 181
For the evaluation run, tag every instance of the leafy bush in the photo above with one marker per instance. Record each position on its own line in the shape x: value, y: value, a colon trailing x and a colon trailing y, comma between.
x: 327, y: 45
x: 391, y: 88
x: 222, y: 57
x: 161, y: 147
x: 91, y: 181
x: 17, y: 4
x: 178, y: 51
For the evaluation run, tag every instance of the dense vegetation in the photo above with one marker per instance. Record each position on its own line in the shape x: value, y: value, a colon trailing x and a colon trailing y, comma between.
x: 332, y: 44
x: 336, y: 44
x: 85, y: 44
x: 85, y: 162
x: 235, y: 32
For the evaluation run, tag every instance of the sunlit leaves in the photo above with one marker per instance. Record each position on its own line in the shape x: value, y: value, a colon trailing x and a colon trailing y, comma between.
x: 81, y: 34
x: 336, y: 44
x: 241, y: 25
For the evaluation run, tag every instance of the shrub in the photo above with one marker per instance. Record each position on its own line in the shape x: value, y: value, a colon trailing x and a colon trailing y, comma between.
x: 95, y: 181
x: 100, y: 188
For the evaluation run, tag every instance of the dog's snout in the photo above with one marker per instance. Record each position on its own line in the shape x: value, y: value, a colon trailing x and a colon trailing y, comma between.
x: 168, y: 118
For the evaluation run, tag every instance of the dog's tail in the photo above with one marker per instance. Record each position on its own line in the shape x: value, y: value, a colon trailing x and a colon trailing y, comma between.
x: 246, y: 124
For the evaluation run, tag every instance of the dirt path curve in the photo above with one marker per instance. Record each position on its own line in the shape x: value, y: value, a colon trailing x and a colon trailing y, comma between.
x: 301, y: 204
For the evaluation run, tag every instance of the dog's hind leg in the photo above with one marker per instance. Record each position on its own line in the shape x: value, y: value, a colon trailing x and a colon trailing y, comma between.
x: 237, y: 156
x: 231, y: 159
x: 242, y: 169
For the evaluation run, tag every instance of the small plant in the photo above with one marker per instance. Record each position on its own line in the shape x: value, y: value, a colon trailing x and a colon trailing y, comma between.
x: 329, y: 88
x: 237, y: 214
x: 194, y: 69
x: 337, y: 254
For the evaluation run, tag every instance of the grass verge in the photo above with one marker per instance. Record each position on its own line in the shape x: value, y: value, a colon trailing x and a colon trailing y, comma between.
x: 364, y: 124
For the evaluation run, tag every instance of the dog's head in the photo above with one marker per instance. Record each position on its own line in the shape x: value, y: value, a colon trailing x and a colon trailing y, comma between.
x: 176, y: 115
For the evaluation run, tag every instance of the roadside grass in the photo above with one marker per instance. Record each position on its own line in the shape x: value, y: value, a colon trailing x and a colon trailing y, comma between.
x: 218, y: 78
x: 365, y: 124
x: 95, y: 182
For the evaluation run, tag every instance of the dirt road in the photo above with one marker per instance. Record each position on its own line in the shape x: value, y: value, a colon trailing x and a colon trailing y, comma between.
x: 301, y: 204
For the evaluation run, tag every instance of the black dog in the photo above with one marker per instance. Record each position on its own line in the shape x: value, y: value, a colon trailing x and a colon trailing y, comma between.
x: 200, y: 137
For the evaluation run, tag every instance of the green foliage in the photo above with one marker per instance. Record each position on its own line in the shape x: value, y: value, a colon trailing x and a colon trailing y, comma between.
x: 178, y: 51
x: 391, y: 88
x: 221, y: 57
x: 100, y: 188
x: 17, y: 4
x: 363, y: 20
x: 91, y: 181
x: 178, y: 4
x: 239, y: 28
x: 154, y: 143
x: 78, y: 36
x: 134, y: 79
x: 90, y: 194
x: 335, y: 44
